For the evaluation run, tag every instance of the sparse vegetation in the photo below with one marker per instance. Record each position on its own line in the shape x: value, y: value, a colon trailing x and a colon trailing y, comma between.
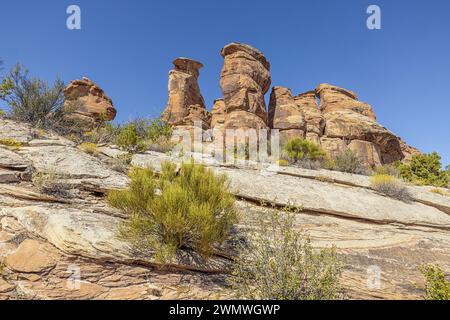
x: 437, y: 286
x: 279, y: 263
x: 388, y: 169
x: 10, y: 143
x: 390, y: 186
x: 440, y: 192
x: 282, y: 163
x: 140, y: 135
x: 425, y: 169
x: 89, y: 148
x: 33, y: 101
x: 303, y: 153
x: 190, y: 209
x: 47, y: 183
x: 2, y: 113
x: 120, y: 163
x: 347, y: 161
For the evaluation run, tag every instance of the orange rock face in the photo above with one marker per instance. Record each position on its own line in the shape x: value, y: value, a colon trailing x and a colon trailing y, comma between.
x: 89, y: 101
x: 186, y: 104
x: 244, y: 80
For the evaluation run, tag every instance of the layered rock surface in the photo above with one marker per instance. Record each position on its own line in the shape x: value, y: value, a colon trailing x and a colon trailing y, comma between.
x: 88, y: 101
x: 244, y: 80
x: 46, y: 241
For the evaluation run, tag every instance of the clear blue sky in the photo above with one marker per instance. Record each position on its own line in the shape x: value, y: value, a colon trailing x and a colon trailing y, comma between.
x: 402, y: 70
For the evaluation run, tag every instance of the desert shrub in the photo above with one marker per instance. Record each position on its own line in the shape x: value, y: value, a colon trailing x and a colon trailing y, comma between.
x: 349, y: 162
x: 145, y: 134
x: 89, y: 148
x: 129, y: 139
x: 299, y: 149
x: 10, y: 143
x: 279, y: 263
x: 425, y: 169
x: 437, y: 286
x: 105, y: 133
x: 192, y: 209
x: 2, y: 113
x: 440, y: 192
x: 390, y: 186
x: 32, y: 100
x: 120, y: 163
x: 388, y: 169
x: 282, y: 163
x: 158, y: 130
x: 47, y: 183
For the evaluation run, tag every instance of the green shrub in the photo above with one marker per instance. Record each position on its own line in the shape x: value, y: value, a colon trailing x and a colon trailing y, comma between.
x: 279, y: 263
x: 89, y: 148
x: 10, y: 143
x: 437, y: 286
x: 128, y: 139
x: 121, y: 163
x: 299, y: 149
x: 145, y: 134
x: 192, y: 209
x: 390, y: 186
x: 32, y: 100
x: 349, y: 162
x: 388, y: 169
x: 425, y: 169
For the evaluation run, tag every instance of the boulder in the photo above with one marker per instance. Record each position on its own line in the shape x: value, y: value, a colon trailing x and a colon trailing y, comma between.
x: 185, y: 100
x: 244, y: 80
x: 89, y: 101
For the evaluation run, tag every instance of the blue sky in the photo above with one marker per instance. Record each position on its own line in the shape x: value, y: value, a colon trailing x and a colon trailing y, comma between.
x: 402, y: 70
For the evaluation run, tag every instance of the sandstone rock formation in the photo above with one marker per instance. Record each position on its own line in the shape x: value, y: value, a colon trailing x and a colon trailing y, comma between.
x: 244, y: 80
x: 89, y: 101
x: 285, y: 115
x: 186, y: 103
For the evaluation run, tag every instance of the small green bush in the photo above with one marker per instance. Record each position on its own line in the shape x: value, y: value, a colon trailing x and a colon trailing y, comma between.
x: 390, y: 186
x: 105, y: 133
x: 437, y: 286
x: 192, y: 209
x: 281, y: 264
x: 33, y: 101
x: 129, y: 140
x: 10, y: 143
x: 120, y: 163
x: 425, y: 169
x: 299, y: 149
x: 349, y: 162
x: 388, y: 169
x: 89, y: 148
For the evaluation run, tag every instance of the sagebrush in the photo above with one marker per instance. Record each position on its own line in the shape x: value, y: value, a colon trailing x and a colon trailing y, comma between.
x: 390, y: 186
x: 437, y: 286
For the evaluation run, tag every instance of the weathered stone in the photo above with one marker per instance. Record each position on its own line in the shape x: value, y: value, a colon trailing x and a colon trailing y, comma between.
x: 89, y: 100
x: 32, y: 257
x: 333, y: 146
x: 368, y: 152
x: 315, y: 123
x: 284, y: 113
x: 218, y: 113
x: 16, y: 131
x: 350, y: 125
x: 244, y: 80
x: 12, y: 160
x: 333, y: 98
x: 184, y: 92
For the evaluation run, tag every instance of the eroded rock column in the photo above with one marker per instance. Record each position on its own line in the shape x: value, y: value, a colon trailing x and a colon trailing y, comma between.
x: 245, y: 78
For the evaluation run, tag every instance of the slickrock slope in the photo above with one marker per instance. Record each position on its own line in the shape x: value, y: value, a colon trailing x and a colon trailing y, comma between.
x: 89, y: 100
x: 46, y: 241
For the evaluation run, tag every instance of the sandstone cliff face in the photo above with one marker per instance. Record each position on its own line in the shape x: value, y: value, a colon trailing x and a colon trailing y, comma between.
x: 244, y: 80
x: 89, y: 100
x: 185, y: 103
